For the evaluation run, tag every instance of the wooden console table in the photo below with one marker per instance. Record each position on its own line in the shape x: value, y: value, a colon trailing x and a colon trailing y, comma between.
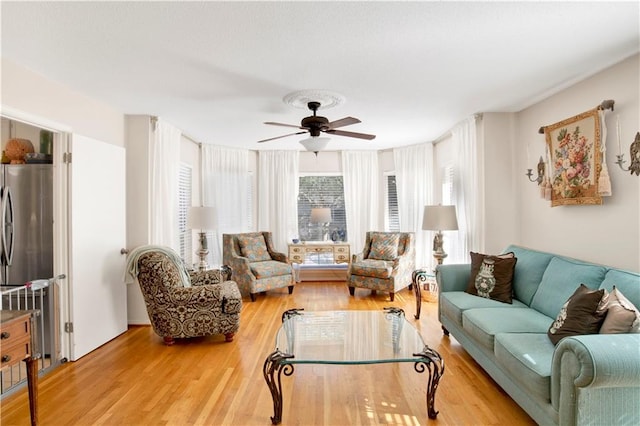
x: 17, y: 336
x: 339, y: 251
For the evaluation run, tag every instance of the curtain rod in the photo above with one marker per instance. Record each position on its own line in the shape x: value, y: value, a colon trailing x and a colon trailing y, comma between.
x: 606, y: 104
x: 154, y: 122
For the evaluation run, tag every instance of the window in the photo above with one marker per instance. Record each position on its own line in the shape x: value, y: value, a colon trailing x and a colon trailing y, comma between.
x: 447, y: 186
x: 250, y: 225
x: 392, y: 218
x: 184, y: 202
x: 319, y: 192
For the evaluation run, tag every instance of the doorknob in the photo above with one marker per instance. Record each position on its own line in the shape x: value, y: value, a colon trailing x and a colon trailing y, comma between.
x: 124, y: 251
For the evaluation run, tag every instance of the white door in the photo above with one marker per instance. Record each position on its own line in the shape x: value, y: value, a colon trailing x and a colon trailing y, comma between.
x: 98, y: 233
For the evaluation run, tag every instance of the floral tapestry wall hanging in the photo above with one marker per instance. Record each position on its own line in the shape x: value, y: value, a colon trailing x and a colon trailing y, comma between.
x: 574, y: 147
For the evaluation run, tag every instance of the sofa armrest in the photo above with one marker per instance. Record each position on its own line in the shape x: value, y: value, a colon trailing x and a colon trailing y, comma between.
x: 280, y: 257
x: 205, y: 277
x: 597, y: 363
x: 358, y: 257
x: 453, y: 277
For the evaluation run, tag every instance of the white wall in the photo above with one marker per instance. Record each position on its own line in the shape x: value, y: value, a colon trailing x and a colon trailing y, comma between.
x: 500, y: 181
x: 608, y: 234
x: 50, y: 102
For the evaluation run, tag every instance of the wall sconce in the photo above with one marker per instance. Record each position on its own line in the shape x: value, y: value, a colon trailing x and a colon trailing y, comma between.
x: 540, y: 177
x: 634, y: 152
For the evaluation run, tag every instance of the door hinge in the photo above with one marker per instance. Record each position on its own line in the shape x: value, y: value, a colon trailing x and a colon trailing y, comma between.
x: 68, y: 327
x: 66, y: 157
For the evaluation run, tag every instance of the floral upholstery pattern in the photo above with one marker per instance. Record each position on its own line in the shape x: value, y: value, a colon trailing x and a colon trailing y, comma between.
x: 368, y: 271
x: 209, y: 306
x: 384, y: 245
x: 253, y: 248
x: 256, y: 276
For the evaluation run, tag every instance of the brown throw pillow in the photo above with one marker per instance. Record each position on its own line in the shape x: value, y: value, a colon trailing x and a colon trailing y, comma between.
x: 582, y: 313
x: 494, y: 279
x: 622, y: 315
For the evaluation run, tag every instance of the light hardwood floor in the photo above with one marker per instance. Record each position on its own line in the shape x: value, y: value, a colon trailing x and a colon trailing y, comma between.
x: 137, y: 380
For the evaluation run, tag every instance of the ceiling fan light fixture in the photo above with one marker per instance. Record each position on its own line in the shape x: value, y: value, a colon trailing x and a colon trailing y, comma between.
x: 315, y: 144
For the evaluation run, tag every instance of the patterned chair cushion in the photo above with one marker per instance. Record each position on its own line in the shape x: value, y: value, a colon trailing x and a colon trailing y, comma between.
x: 384, y: 246
x: 372, y: 268
x: 254, y: 248
x: 270, y: 268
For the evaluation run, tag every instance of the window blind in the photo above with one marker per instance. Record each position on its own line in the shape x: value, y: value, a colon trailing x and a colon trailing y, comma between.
x: 184, y: 202
x: 319, y: 192
x: 393, y: 218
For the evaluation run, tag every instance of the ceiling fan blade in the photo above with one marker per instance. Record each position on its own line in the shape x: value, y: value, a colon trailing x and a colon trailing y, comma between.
x: 282, y: 124
x: 283, y: 136
x: 344, y: 122
x: 351, y: 134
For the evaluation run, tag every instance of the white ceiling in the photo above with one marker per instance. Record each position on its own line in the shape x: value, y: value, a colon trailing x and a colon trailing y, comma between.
x: 408, y: 70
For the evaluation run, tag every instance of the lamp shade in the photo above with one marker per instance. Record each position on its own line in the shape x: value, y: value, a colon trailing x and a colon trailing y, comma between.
x: 439, y: 218
x: 321, y: 215
x: 201, y: 218
x: 315, y: 144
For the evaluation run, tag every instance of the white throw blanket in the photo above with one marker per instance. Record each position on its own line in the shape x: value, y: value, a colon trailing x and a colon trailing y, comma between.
x: 134, y: 256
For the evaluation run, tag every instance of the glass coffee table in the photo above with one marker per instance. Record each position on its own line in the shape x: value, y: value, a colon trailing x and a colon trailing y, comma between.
x: 348, y: 337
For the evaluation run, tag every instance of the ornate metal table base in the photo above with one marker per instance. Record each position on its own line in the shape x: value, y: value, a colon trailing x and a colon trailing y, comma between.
x: 432, y: 361
x: 277, y: 364
x: 272, y: 370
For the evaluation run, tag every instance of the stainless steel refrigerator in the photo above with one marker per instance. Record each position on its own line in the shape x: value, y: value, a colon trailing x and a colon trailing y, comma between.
x: 26, y: 212
x: 26, y: 248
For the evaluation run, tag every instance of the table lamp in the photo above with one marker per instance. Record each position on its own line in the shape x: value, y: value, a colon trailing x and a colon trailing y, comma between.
x: 321, y: 216
x: 202, y: 219
x: 439, y: 218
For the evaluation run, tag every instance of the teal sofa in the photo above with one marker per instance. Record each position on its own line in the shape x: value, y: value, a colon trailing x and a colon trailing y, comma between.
x: 583, y: 380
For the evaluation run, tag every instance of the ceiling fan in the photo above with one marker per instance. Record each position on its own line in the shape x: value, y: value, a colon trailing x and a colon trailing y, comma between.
x: 315, y: 124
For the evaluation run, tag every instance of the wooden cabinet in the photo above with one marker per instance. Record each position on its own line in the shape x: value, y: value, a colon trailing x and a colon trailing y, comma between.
x: 340, y: 251
x: 17, y: 346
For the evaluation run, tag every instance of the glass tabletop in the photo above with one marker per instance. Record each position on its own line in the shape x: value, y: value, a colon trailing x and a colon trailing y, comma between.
x: 348, y: 337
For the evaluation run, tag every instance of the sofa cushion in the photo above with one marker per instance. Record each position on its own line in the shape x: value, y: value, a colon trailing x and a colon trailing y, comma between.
x: 528, y: 272
x: 527, y: 357
x: 454, y: 303
x: 582, y: 313
x: 560, y: 280
x: 372, y: 268
x: 254, y: 248
x: 622, y: 315
x: 270, y: 268
x: 384, y: 246
x: 483, y: 324
x: 626, y: 282
x: 500, y: 267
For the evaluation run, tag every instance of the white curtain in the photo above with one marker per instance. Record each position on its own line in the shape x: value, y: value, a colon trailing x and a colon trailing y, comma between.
x: 164, y: 162
x: 468, y: 191
x: 414, y: 184
x: 278, y: 195
x: 360, y: 178
x: 225, y: 186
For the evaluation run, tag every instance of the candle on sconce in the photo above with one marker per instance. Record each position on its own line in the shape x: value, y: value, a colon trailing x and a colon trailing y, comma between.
x: 618, y: 133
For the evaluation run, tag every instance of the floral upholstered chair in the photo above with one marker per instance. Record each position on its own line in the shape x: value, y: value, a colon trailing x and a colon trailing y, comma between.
x: 256, y: 266
x: 181, y: 303
x: 385, y: 264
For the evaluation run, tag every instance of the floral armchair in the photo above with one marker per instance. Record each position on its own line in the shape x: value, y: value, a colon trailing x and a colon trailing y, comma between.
x: 256, y: 266
x: 386, y: 263
x: 184, y: 304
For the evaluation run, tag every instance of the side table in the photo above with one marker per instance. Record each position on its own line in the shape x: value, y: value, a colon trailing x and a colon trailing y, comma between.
x: 18, y: 336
